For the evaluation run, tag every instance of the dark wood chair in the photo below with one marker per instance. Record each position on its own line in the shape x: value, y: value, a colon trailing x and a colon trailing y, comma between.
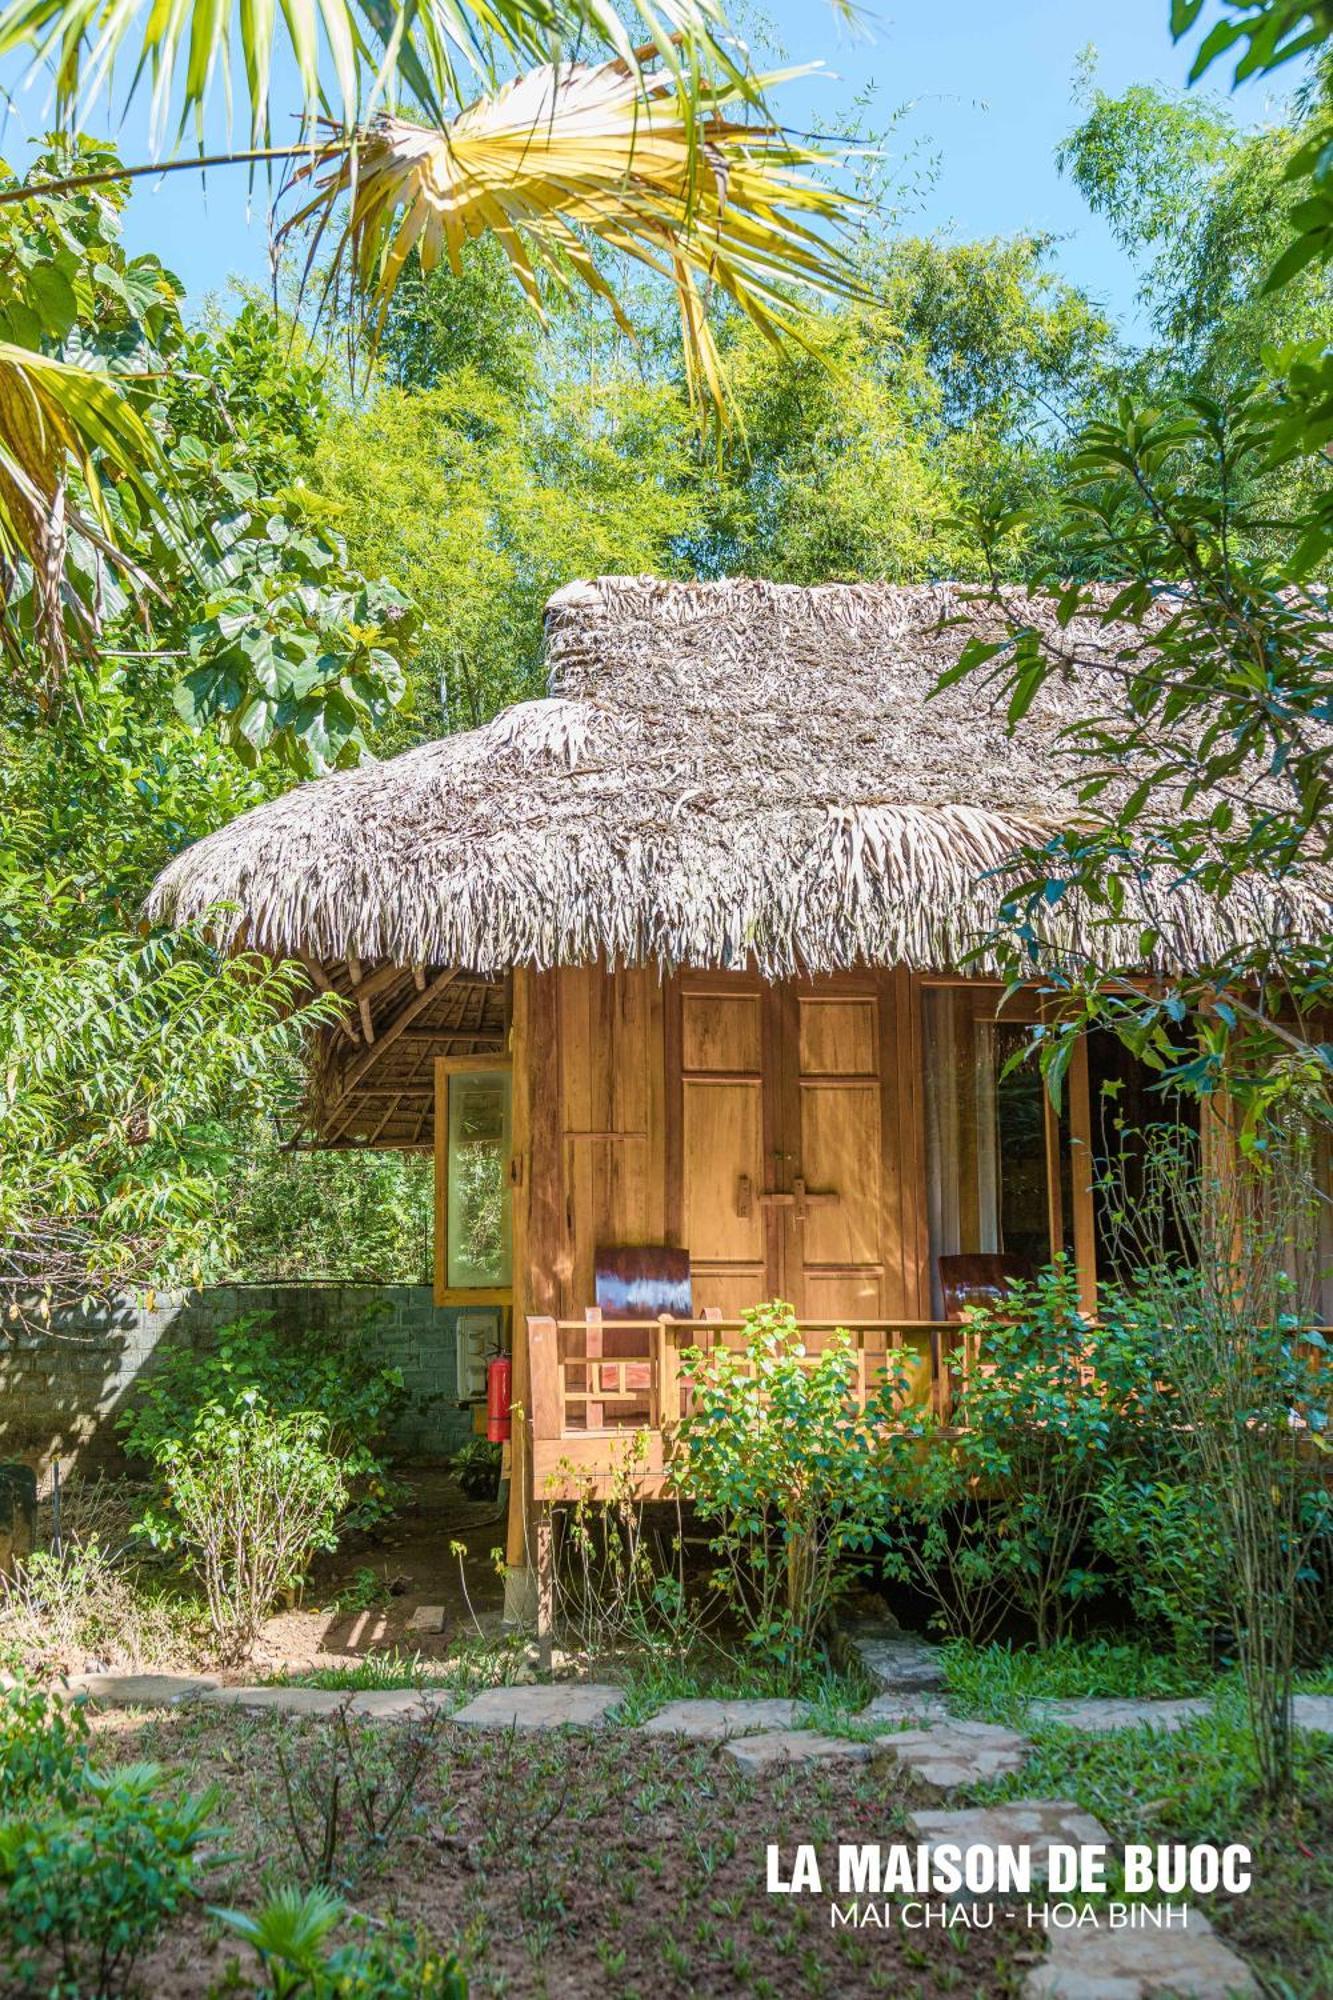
x: 638, y: 1281
x: 979, y: 1278
x: 643, y: 1281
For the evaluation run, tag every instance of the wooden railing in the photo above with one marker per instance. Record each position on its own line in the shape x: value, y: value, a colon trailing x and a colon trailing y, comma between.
x: 606, y: 1393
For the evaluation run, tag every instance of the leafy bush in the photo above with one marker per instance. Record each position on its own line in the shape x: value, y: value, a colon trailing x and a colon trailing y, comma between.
x: 476, y: 1467
x: 777, y: 1453
x: 290, y: 1933
x: 1163, y: 1538
x: 87, y: 1888
x: 252, y: 1494
x: 996, y: 1514
x: 44, y: 1746
x: 338, y: 1379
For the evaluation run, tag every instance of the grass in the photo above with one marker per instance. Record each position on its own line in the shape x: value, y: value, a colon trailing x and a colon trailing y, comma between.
x: 996, y: 1682
x: 1200, y: 1784
x: 651, y: 1680
x: 474, y: 1663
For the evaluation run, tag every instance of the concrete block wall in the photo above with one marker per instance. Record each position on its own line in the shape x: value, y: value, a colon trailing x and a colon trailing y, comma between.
x: 61, y: 1391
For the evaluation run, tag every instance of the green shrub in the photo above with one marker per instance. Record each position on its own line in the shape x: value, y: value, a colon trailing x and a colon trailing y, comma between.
x: 251, y: 1495
x: 44, y: 1746
x: 338, y: 1378
x: 476, y: 1467
x: 996, y: 1513
x: 87, y: 1889
x: 1163, y: 1538
x: 290, y: 1935
x: 776, y: 1452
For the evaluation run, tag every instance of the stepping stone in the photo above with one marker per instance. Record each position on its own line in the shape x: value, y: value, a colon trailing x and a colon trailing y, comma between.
x: 1037, y: 1824
x: 705, y: 1721
x: 277, y: 1700
x: 561, y: 1705
x: 1313, y: 1711
x: 427, y: 1618
x: 948, y: 1754
x: 141, y: 1690
x: 1097, y: 1715
x: 896, y: 1708
x: 1102, y: 1964
x: 797, y: 1746
x: 398, y: 1704
x: 896, y: 1662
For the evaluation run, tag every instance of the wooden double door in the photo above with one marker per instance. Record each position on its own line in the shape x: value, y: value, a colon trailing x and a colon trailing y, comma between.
x: 787, y: 1176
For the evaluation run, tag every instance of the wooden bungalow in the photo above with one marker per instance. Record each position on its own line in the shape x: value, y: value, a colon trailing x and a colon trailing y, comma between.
x: 669, y: 961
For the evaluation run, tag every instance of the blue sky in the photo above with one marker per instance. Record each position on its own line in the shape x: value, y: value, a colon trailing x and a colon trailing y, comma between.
x: 988, y: 83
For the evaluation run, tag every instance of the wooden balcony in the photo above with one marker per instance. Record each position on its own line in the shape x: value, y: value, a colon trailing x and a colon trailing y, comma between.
x: 605, y: 1394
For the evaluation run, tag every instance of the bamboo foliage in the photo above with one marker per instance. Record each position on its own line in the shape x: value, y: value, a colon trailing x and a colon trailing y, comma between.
x: 565, y: 159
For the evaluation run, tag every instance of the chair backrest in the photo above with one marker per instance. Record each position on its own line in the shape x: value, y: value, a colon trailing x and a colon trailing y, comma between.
x: 643, y: 1280
x: 979, y: 1278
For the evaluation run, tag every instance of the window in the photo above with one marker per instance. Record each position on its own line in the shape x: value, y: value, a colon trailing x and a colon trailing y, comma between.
x: 473, y: 1196
x: 999, y: 1158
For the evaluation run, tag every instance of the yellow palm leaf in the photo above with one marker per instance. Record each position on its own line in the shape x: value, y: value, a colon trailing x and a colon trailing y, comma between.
x: 347, y: 55
x: 54, y: 416
x: 566, y: 158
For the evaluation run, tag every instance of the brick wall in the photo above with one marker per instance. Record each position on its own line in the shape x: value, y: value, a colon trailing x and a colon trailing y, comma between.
x: 61, y: 1392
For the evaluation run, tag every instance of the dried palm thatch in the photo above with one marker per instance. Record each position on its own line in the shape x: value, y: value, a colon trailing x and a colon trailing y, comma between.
x: 574, y: 156
x: 721, y: 774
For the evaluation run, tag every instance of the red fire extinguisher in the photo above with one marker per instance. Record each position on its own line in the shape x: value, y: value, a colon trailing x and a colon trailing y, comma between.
x: 499, y: 1395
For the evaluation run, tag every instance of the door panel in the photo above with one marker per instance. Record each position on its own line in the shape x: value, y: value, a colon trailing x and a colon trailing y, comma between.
x: 839, y: 1248
x: 720, y: 1031
x: 724, y: 1225
x: 723, y: 1147
x: 837, y: 1037
x: 840, y: 1153
x: 784, y: 1185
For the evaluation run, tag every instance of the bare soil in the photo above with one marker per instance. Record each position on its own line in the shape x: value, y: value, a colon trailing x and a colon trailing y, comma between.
x: 414, y: 1557
x: 574, y: 1868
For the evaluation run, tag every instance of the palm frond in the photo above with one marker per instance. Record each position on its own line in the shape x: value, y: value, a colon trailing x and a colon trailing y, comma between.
x: 350, y: 56
x: 567, y: 158
x: 54, y: 416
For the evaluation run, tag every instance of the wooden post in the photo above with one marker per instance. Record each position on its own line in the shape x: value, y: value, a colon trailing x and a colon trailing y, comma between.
x: 668, y: 1373
x: 545, y: 1416
x: 592, y: 1348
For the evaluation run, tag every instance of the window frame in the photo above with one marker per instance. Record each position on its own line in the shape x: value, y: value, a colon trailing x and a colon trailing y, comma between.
x: 444, y: 1293
x: 1028, y: 1008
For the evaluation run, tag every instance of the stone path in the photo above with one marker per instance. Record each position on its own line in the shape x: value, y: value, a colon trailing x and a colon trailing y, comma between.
x: 1097, y: 1715
x: 949, y: 1754
x: 1313, y: 1711
x: 561, y: 1705
x: 799, y: 1746
x: 1102, y: 1964
x: 1087, y: 1963
x: 944, y: 1751
x: 895, y: 1661
x: 705, y: 1721
x: 893, y: 1709
x: 1038, y: 1824
x: 141, y: 1690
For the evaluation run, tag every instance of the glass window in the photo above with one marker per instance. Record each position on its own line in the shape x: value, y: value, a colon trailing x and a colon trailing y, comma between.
x: 986, y: 1137
x: 479, y: 1252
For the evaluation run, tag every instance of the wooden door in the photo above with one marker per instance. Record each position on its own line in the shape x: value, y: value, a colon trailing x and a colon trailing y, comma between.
x: 779, y: 1172
x: 833, y: 1088
x: 725, y: 1140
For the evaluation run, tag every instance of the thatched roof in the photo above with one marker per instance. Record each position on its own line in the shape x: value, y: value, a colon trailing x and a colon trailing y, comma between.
x: 721, y: 773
